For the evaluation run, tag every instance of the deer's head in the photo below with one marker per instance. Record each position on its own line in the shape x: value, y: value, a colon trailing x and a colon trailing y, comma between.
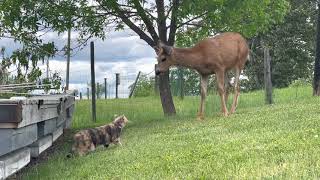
x: 164, y: 58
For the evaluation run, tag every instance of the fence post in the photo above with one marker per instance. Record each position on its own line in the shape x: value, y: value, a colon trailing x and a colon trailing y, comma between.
x: 181, y: 83
x: 156, y: 82
x: 267, y: 76
x: 117, y: 84
x: 88, y: 93
x: 80, y: 95
x: 109, y: 92
x: 93, y: 83
x: 134, y: 85
x: 105, y: 88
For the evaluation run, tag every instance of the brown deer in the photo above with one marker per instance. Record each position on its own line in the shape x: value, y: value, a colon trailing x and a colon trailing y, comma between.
x: 216, y: 55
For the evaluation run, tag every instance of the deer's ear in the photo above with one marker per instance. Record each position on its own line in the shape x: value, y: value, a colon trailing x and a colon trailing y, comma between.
x: 157, y: 49
x: 160, y: 44
x: 167, y: 49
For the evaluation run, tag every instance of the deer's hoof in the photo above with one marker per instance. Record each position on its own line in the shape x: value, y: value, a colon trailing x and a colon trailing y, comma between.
x: 200, y: 117
x: 225, y: 114
x: 233, y: 110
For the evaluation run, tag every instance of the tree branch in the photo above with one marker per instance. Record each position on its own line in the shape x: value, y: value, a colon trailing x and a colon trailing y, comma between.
x: 169, y: 11
x: 146, y: 20
x: 118, y: 12
x: 192, y: 19
x: 173, y: 23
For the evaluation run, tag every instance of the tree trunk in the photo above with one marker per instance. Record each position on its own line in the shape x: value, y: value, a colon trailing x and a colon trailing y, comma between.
x: 267, y: 76
x: 164, y: 86
x: 165, y: 94
x: 316, y: 79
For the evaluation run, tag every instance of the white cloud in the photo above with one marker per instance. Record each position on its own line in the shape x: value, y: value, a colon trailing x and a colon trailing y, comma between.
x: 121, y: 52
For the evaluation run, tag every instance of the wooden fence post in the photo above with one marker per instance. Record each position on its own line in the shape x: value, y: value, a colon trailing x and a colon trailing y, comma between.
x: 88, y: 93
x: 134, y: 85
x: 80, y: 95
x: 117, y: 84
x: 109, y: 92
x: 181, y: 83
x: 105, y: 88
x: 93, y: 83
x: 267, y: 76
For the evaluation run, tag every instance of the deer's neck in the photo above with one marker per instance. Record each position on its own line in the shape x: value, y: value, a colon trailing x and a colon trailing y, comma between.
x: 184, y: 57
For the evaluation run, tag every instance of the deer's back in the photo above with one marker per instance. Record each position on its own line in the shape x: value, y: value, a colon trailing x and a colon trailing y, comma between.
x: 224, y: 51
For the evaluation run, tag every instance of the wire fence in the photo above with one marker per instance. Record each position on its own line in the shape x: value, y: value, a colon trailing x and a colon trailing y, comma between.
x: 107, y: 88
x: 185, y: 89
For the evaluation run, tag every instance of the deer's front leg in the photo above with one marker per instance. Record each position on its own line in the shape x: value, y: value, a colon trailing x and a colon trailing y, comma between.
x: 204, y: 85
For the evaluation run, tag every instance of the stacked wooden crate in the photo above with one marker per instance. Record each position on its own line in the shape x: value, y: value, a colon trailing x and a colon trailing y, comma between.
x: 28, y: 126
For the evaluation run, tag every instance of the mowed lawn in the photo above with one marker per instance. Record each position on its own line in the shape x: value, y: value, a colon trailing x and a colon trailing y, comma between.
x: 279, y: 141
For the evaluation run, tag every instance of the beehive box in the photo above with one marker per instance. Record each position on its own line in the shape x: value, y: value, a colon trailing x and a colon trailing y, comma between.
x: 28, y: 126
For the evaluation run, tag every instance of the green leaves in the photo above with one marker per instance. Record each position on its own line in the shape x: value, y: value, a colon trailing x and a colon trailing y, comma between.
x: 144, y: 87
x: 23, y: 20
x: 292, y: 46
x: 247, y: 17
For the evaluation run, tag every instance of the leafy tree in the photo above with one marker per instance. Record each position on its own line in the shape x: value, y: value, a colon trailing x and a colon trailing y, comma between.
x: 3, y: 75
x: 100, y: 90
x: 151, y: 20
x: 27, y: 21
x: 291, y: 44
x: 53, y: 82
x: 144, y: 87
x: 191, y: 82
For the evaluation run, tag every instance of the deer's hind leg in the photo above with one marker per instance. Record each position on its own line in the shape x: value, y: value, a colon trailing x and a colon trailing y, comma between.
x: 236, y: 90
x: 204, y: 85
x: 227, y: 86
x: 221, y: 89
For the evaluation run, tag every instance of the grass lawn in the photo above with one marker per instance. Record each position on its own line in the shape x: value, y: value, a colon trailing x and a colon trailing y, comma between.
x: 280, y: 141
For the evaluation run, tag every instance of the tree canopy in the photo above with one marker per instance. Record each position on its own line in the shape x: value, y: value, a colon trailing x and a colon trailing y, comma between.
x: 151, y: 20
x: 292, y: 47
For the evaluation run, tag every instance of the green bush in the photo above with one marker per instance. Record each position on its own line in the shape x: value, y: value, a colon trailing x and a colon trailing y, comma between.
x: 144, y: 87
x: 300, y: 83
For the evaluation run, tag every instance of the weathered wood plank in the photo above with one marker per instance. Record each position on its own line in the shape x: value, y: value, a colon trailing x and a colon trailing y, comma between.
x: 69, y: 101
x: 13, y: 162
x: 57, y: 133
x: 37, y: 109
x: 41, y: 145
x: 43, y: 120
x: 13, y: 139
x: 32, y: 114
x: 69, y: 113
x: 11, y: 113
x: 2, y: 170
x: 46, y: 127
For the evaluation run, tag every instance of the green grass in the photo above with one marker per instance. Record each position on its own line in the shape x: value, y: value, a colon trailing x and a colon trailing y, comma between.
x: 259, y: 141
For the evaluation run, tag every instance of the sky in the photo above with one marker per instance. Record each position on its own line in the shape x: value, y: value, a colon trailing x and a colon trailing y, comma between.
x: 121, y: 52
